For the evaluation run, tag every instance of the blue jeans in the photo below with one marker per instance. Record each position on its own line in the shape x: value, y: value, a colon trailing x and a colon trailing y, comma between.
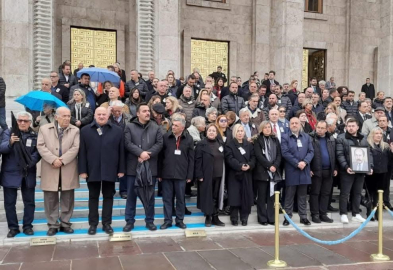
x: 3, y: 122
x: 131, y: 202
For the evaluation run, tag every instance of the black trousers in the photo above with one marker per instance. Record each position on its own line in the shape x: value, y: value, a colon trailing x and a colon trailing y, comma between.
x: 375, y: 182
x: 10, y: 197
x: 321, y: 187
x: 348, y: 182
x: 170, y: 187
x: 236, y: 210
x: 107, y: 205
x: 290, y: 192
x: 265, y: 202
x: 386, y: 186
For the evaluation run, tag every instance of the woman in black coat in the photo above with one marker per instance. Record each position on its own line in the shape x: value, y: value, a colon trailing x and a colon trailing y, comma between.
x: 267, y: 151
x: 382, y: 155
x: 81, y: 112
x: 210, y: 174
x: 239, y: 156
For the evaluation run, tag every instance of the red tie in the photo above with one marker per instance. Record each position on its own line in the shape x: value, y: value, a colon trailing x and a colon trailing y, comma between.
x: 274, y: 128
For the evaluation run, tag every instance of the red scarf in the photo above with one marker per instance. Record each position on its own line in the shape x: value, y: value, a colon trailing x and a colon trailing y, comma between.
x: 311, y: 120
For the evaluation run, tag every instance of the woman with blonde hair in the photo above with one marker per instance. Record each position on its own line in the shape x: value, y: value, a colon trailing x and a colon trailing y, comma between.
x: 201, y: 93
x: 172, y: 106
x: 81, y: 112
x: 240, y: 158
x: 382, y: 156
x: 292, y: 92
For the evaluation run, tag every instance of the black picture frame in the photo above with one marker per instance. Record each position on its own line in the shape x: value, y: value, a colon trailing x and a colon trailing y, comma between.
x: 354, y: 157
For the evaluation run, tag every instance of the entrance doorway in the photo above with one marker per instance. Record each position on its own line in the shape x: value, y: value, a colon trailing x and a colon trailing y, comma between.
x: 314, y: 65
x: 207, y: 55
x: 92, y: 47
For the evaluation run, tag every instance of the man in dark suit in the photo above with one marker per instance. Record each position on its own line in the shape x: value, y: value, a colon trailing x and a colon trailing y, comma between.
x: 362, y: 115
x: 270, y: 81
x: 57, y: 88
x: 369, y: 89
x: 388, y: 104
x: 218, y: 74
x: 66, y: 78
x: 315, y: 87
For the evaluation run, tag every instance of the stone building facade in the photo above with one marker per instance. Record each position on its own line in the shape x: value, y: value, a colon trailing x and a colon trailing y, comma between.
x: 354, y: 36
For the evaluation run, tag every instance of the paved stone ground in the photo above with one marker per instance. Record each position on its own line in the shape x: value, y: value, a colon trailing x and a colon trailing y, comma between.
x: 227, y: 252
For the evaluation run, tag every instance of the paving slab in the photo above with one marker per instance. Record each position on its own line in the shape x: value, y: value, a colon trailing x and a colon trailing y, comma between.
x: 187, y: 261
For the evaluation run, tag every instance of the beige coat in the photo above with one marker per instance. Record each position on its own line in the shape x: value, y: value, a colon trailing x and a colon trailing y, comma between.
x: 48, y: 147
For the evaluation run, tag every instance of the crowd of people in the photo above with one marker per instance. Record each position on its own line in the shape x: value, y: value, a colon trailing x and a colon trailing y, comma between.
x: 235, y: 142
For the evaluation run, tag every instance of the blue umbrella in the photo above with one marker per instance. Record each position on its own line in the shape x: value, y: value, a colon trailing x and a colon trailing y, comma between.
x: 35, y: 100
x: 100, y: 75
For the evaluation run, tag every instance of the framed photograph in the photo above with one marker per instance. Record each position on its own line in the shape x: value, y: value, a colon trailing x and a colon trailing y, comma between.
x: 359, y: 162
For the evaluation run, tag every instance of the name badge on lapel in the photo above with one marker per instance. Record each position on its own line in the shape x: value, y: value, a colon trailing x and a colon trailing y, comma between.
x: 28, y: 142
x: 164, y: 100
x: 281, y: 129
x: 190, y: 102
x: 221, y: 149
x: 99, y: 131
x: 57, y: 90
x: 242, y: 151
x: 299, y: 143
x: 178, y: 152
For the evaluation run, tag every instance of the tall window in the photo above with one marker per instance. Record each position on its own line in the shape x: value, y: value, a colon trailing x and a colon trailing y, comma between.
x: 92, y: 47
x: 313, y: 6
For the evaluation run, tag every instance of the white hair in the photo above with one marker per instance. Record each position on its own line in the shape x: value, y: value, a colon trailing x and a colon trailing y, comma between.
x: 244, y: 110
x: 181, y: 120
x: 210, y: 111
x: 198, y: 121
x: 24, y: 113
x: 322, y: 82
x: 117, y: 103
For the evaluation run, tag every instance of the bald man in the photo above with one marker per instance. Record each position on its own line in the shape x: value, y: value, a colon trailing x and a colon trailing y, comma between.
x: 58, y: 145
x: 101, y: 162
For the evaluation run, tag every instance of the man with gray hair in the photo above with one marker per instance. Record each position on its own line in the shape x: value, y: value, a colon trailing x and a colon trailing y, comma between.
x: 176, y: 168
x: 136, y: 82
x: 58, y: 145
x: 16, y: 175
x: 249, y: 128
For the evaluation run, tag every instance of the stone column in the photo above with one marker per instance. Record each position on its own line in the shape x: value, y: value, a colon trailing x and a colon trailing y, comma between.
x: 286, y: 43
x: 15, y: 45
x: 261, y: 36
x: 167, y: 41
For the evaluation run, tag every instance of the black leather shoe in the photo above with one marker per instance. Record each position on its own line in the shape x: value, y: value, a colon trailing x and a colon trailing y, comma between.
x: 92, y: 230
x: 128, y: 227
x: 326, y: 219
x: 187, y: 212
x: 107, y: 228
x: 123, y: 196
x: 244, y: 222
x: 208, y: 221
x: 332, y: 209
x: 181, y: 225
x: 263, y: 223
x: 305, y: 221
x: 216, y: 221
x: 285, y: 223
x: 151, y: 226
x: 28, y: 231
x: 235, y: 223
x: 165, y: 226
x: 316, y: 219
x: 12, y: 233
x: 66, y: 229
x: 271, y: 223
x: 51, y: 232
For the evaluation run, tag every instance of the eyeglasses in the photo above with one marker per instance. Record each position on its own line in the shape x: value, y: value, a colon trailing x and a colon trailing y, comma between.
x: 23, y: 121
x: 223, y: 120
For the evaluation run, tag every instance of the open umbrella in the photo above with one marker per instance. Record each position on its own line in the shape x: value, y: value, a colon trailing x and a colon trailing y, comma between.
x: 100, y: 75
x: 144, y: 184
x: 35, y: 100
x: 24, y: 157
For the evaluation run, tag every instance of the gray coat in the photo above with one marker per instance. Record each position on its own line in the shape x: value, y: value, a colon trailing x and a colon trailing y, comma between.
x: 139, y: 138
x: 232, y: 103
x: 188, y: 108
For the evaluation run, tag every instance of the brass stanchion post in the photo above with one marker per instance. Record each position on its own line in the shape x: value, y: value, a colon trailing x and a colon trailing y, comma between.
x: 380, y: 256
x: 276, y: 262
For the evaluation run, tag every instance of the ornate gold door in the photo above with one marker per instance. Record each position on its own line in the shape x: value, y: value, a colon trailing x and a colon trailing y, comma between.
x: 207, y: 55
x: 313, y: 66
x: 92, y: 47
